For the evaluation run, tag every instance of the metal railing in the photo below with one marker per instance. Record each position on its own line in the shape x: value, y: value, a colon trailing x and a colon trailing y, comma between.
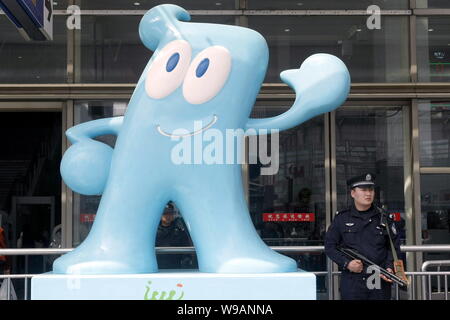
x: 424, y: 275
x: 426, y: 286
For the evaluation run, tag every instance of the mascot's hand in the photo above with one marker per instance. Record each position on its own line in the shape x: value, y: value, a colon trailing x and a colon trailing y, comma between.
x: 321, y: 84
x: 85, y: 166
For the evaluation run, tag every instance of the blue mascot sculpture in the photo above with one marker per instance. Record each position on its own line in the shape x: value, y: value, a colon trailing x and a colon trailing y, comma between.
x: 199, y: 72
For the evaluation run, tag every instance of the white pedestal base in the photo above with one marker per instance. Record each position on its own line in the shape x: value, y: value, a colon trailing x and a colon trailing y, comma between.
x: 176, y: 285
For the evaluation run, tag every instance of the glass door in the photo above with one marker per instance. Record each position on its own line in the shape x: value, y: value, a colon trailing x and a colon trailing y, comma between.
x: 371, y: 139
x: 434, y: 133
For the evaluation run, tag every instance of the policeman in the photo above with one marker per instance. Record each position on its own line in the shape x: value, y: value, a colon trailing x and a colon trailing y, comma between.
x: 360, y: 227
x: 172, y: 232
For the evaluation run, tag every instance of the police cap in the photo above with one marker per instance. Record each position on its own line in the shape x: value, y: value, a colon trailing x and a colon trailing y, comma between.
x: 364, y: 180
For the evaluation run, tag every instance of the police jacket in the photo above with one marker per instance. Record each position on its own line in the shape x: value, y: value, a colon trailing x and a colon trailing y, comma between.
x: 173, y: 235
x: 364, y: 233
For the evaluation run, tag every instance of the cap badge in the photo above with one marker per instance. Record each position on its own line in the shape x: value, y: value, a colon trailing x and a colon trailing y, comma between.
x: 368, y: 177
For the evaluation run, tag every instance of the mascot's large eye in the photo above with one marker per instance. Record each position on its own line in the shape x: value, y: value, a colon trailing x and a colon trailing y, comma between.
x: 207, y: 74
x: 168, y: 69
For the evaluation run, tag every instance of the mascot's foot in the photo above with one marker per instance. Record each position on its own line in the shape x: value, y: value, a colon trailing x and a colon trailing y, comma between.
x: 78, y: 262
x: 271, y: 262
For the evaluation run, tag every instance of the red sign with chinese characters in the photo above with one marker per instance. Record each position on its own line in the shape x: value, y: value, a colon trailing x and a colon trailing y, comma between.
x: 289, y: 217
x: 87, y: 217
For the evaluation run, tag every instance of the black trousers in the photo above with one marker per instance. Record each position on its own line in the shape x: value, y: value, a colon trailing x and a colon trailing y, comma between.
x: 354, y: 286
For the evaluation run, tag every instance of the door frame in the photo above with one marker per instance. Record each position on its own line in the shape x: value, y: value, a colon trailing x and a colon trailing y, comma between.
x: 410, y: 164
x: 19, y: 200
x: 66, y: 110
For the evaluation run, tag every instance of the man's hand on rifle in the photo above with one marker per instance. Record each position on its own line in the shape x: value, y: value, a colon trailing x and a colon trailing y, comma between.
x: 355, y: 266
x: 382, y: 276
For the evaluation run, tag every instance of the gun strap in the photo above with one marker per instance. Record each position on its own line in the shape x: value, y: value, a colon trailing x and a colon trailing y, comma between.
x: 391, y: 243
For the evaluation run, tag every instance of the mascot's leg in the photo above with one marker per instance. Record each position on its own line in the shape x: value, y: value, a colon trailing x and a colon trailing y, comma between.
x: 219, y: 223
x: 123, y: 235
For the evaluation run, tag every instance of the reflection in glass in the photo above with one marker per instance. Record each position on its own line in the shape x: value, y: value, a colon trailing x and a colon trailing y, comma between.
x: 432, y: 4
x: 148, y: 4
x: 23, y: 61
x: 433, y: 49
x: 435, y: 205
x: 60, y: 4
x: 111, y: 50
x: 288, y: 208
x: 434, y: 126
x: 225, y: 19
x: 370, y: 55
x: 327, y: 4
x: 370, y: 139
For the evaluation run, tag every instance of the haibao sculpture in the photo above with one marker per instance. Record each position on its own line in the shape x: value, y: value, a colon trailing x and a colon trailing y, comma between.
x: 199, y: 72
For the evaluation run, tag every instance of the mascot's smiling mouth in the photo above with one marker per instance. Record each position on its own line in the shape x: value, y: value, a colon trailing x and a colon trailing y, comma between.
x: 209, y: 125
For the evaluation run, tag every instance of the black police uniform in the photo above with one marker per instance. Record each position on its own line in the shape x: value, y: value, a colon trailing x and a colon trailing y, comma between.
x: 361, y: 231
x: 174, y: 235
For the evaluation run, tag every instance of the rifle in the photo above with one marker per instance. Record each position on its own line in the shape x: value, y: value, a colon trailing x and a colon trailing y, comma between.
x: 352, y: 254
x: 399, y: 269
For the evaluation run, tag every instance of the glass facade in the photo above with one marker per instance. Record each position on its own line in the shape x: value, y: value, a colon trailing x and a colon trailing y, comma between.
x: 107, y: 48
x: 435, y: 202
x: 433, y: 49
x: 111, y: 50
x: 327, y: 4
x: 148, y: 4
x: 33, y: 61
x: 434, y: 124
x: 370, y: 55
x: 435, y: 4
x: 370, y: 139
x: 434, y: 128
